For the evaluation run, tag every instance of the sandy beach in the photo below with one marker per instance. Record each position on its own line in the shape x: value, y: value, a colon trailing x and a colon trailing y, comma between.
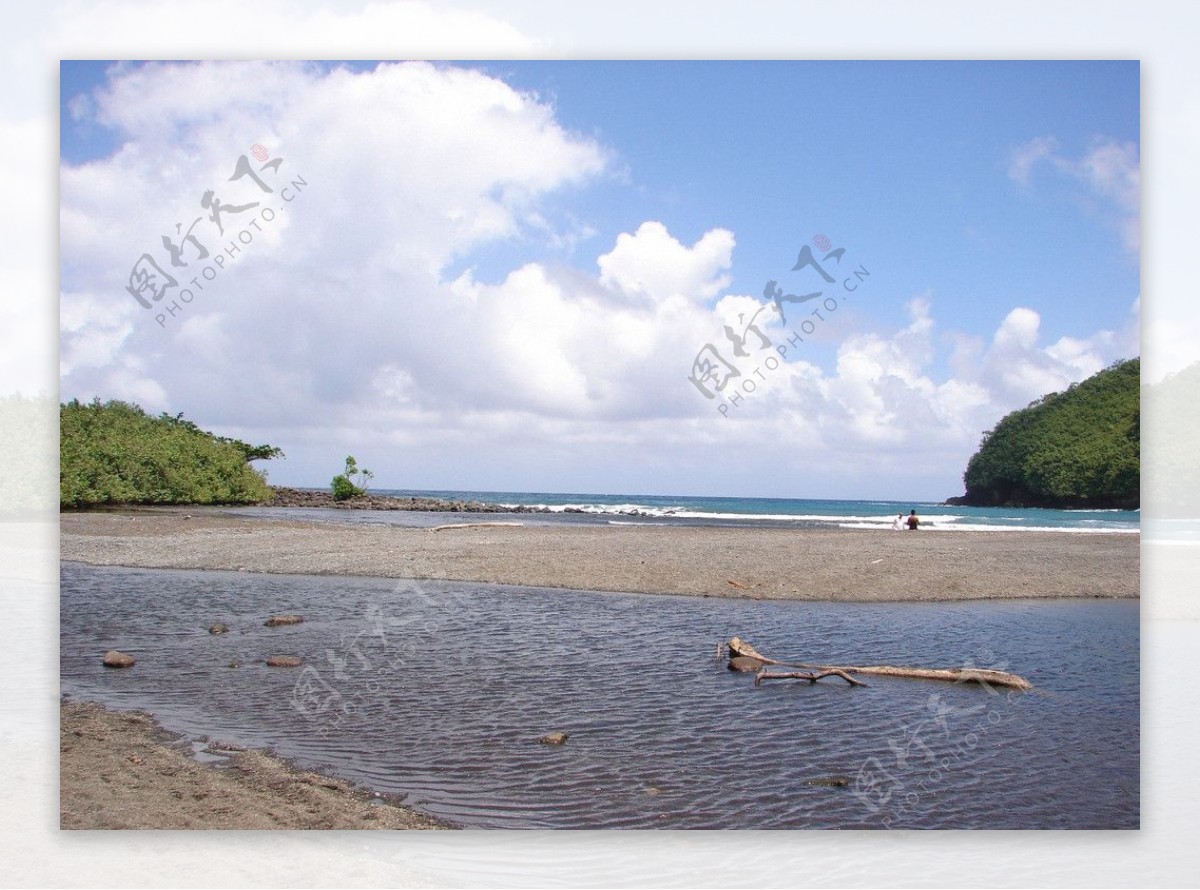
x: 822, y: 564
x: 122, y: 771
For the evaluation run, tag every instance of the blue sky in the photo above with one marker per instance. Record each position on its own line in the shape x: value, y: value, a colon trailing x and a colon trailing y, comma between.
x: 504, y: 287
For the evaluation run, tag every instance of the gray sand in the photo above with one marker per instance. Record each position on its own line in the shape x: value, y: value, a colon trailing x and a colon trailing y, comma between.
x: 121, y: 770
x: 823, y: 564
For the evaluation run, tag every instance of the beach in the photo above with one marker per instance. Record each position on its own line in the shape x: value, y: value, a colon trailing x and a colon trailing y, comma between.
x: 121, y: 770
x: 763, y: 563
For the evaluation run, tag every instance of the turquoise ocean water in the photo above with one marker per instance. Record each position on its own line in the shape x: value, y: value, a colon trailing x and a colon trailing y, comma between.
x: 866, y: 514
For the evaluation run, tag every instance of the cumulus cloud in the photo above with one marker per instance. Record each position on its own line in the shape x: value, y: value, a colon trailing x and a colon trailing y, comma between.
x: 341, y: 307
x: 570, y: 344
x: 916, y: 391
x: 651, y: 265
x: 92, y: 331
x: 407, y: 167
x: 355, y: 315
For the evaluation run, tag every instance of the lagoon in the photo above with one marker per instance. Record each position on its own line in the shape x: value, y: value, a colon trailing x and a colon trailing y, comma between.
x: 439, y: 691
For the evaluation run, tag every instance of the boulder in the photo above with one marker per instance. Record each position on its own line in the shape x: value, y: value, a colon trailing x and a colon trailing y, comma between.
x: 280, y: 620
x: 218, y: 628
x: 283, y: 661
x: 554, y: 738
x: 115, y: 659
x: 744, y: 664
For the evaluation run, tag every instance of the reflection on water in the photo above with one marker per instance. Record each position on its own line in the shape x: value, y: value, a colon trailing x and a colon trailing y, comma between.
x: 441, y: 691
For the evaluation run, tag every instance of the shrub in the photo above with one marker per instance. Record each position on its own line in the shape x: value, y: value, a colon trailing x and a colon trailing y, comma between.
x: 344, y: 489
x: 343, y: 485
x: 114, y: 453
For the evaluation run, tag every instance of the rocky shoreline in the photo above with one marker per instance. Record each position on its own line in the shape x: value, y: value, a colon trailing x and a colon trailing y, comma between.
x: 308, y: 497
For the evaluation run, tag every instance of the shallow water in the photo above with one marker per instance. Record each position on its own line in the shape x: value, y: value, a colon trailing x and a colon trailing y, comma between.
x: 440, y: 691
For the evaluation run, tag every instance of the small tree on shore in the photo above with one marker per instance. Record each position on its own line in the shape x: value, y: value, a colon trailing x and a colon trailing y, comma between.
x: 351, y: 482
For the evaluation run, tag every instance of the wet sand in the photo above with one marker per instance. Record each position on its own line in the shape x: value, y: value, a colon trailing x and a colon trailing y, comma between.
x: 820, y: 564
x: 121, y: 770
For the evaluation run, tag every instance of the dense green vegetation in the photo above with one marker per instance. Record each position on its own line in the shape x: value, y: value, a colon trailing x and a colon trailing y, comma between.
x: 114, y: 453
x: 351, y: 482
x: 1073, y: 449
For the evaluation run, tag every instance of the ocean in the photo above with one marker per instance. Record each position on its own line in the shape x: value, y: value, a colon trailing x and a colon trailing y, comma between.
x: 770, y: 512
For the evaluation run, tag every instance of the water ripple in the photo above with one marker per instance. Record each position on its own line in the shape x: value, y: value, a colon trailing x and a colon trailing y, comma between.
x: 442, y: 691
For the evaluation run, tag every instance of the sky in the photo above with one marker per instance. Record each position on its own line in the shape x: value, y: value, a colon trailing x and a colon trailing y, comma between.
x: 537, y: 276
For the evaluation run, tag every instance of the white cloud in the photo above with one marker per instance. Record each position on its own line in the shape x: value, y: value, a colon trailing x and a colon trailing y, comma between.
x: 408, y: 166
x: 1027, y: 156
x: 92, y: 331
x: 1110, y: 170
x: 1019, y: 330
x: 342, y: 326
x: 895, y: 401
x: 652, y: 265
x: 567, y: 344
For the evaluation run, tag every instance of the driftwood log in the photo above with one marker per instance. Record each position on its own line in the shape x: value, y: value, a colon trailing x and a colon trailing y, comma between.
x: 442, y: 528
x: 740, y: 648
x: 764, y: 674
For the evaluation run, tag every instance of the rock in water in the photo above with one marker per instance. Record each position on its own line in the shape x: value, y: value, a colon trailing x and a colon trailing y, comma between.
x: 279, y: 620
x: 218, y: 628
x: 115, y: 659
x: 283, y: 661
x: 745, y: 664
x: 831, y: 781
x: 554, y: 738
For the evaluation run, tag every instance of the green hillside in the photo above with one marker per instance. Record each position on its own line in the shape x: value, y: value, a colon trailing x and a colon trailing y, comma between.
x: 1073, y: 449
x: 114, y: 453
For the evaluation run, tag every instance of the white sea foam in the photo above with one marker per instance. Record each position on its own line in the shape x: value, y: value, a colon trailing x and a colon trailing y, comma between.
x: 986, y: 527
x: 929, y: 521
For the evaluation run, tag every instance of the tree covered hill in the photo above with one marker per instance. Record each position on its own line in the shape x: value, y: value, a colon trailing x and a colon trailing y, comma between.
x: 114, y: 453
x: 1073, y: 449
